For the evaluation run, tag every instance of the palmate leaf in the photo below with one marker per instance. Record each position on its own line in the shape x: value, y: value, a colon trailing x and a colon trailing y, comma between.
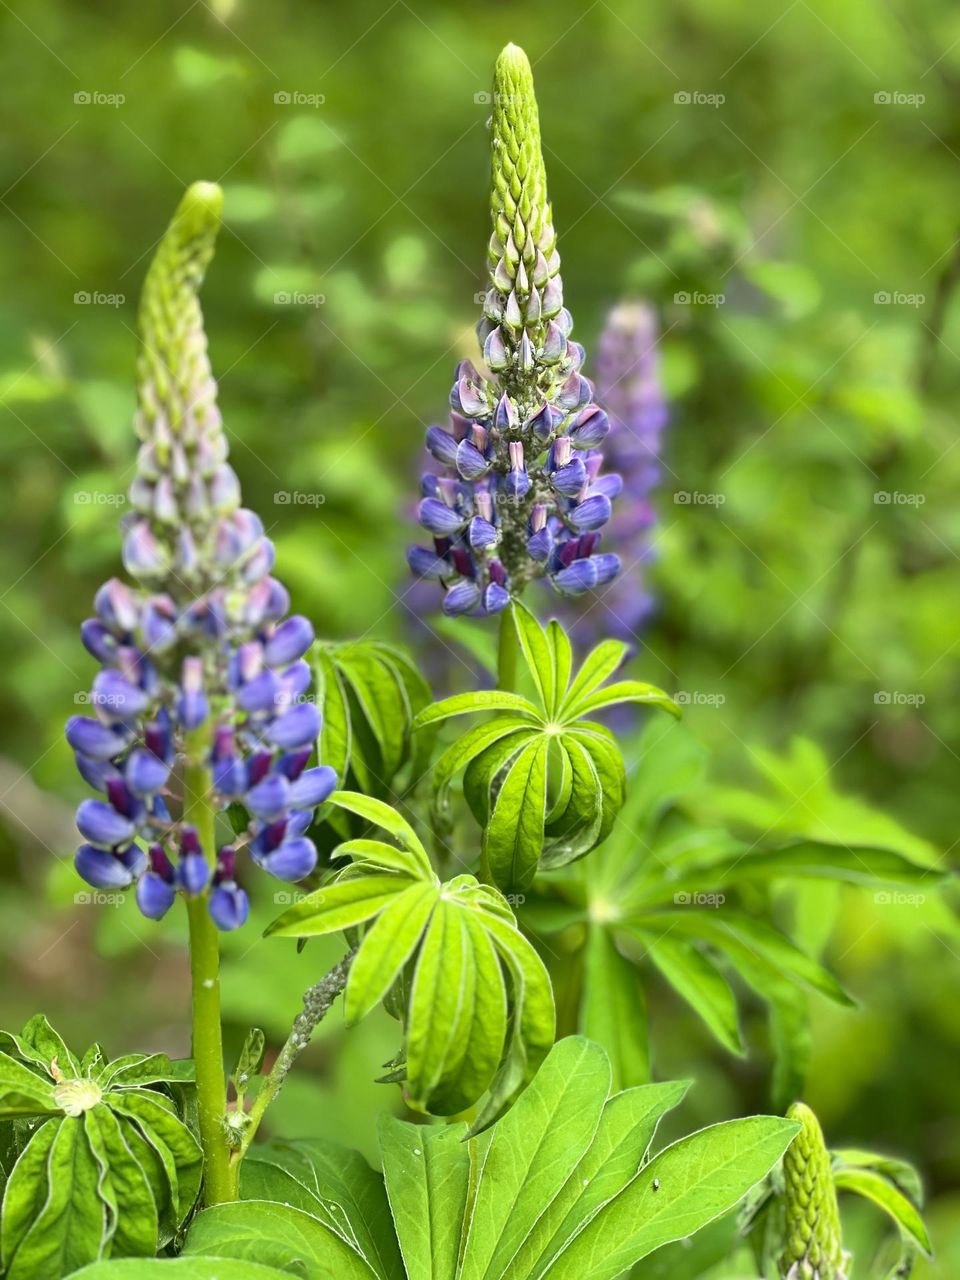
x: 562, y: 1186
x: 110, y: 1168
x: 544, y: 782
x: 477, y: 1003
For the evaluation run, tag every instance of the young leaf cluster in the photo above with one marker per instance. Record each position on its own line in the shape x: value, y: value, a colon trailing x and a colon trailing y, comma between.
x: 543, y: 779
x: 106, y: 1165
x: 473, y: 994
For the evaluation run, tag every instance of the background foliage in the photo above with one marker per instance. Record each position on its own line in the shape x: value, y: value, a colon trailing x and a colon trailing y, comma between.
x: 805, y: 587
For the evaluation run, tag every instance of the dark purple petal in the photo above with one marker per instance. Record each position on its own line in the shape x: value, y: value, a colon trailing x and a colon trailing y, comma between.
x: 462, y: 598
x: 569, y: 480
x: 495, y: 598
x: 290, y: 641
x: 312, y: 787
x: 98, y: 640
x: 470, y: 461
x: 229, y: 906
x: 578, y: 578
x: 100, y: 823
x: 292, y: 860
x: 439, y: 518
x: 481, y: 533
x: 102, y: 869
x: 442, y: 445
x: 293, y: 763
x: 193, y: 873
x: 145, y: 773
x: 154, y: 895
x: 592, y: 513
x: 540, y: 545
x: 591, y: 428
x: 268, y: 798
x: 425, y: 563
x: 296, y: 727
x: 97, y: 773
x: 99, y: 741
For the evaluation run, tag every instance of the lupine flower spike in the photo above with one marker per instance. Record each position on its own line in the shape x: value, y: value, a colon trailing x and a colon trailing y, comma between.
x: 813, y: 1248
x: 198, y: 653
x: 519, y: 495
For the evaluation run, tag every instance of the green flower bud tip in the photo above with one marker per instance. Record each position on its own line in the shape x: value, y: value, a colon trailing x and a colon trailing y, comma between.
x: 813, y: 1247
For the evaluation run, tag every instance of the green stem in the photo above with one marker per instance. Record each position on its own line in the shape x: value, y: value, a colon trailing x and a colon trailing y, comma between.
x: 219, y: 1180
x: 507, y: 652
x: 317, y: 1002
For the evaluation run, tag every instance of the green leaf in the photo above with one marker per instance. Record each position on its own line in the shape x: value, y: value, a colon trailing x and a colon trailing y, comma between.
x: 619, y: 1148
x: 484, y: 772
x: 899, y: 1172
x: 531, y: 1154
x: 386, y: 948
x: 385, y: 856
x: 68, y: 1228
x: 167, y: 1135
x: 250, y: 1060
x: 26, y: 1190
x: 427, y: 1172
x: 277, y: 1236
x: 338, y: 906
x: 816, y: 859
x: 537, y: 653
x: 624, y: 691
x: 475, y: 741
x: 178, y: 1269
x: 612, y: 1009
x: 385, y: 816
x: 686, y: 1186
x: 562, y: 664
x: 382, y: 700
x: 23, y: 1092
x: 513, y: 838
x: 132, y: 1219
x: 485, y: 1037
x: 49, y: 1046
x: 334, y: 744
x: 135, y: 1070
x: 697, y: 979
x: 333, y: 1184
x: 440, y: 1002
x: 872, y: 1186
x: 462, y: 704
x: 598, y: 666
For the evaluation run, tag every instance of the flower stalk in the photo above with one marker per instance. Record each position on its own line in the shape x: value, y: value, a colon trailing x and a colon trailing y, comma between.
x: 813, y: 1246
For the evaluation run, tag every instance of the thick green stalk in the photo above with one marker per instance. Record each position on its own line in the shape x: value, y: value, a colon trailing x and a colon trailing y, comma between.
x: 507, y: 653
x: 219, y: 1179
x: 813, y: 1248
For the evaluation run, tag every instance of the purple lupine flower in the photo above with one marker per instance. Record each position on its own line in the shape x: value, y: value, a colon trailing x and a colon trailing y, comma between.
x: 629, y: 388
x: 519, y: 488
x: 199, y: 657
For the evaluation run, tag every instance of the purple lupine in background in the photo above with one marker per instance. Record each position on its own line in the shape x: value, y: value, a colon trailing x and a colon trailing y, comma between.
x: 201, y: 667
x: 629, y: 388
x: 519, y: 494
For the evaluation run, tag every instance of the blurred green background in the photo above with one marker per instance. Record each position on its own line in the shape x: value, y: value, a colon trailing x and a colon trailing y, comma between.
x: 794, y: 169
